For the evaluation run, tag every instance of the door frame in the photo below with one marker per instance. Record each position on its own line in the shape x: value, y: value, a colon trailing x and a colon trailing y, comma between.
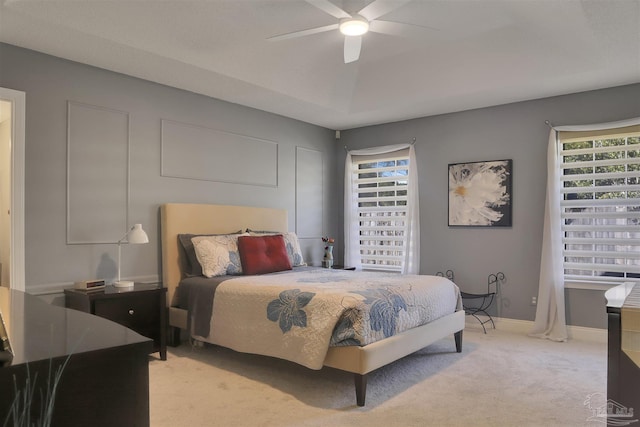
x: 17, y: 265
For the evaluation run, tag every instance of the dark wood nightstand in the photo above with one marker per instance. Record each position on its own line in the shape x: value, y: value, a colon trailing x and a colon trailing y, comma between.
x: 141, y: 308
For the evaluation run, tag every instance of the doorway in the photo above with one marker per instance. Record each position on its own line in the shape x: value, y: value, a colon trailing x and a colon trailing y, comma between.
x: 5, y: 192
x: 12, y: 142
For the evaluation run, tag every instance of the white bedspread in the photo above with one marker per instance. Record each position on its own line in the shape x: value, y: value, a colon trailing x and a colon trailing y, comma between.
x: 296, y: 316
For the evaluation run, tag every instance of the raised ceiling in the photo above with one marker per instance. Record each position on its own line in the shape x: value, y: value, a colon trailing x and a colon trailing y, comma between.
x: 473, y: 53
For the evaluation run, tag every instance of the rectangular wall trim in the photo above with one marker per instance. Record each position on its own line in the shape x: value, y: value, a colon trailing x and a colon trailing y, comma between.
x: 309, y: 192
x: 197, y: 152
x: 97, y: 174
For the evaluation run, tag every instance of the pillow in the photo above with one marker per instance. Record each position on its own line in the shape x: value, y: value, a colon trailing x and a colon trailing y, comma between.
x: 291, y: 243
x: 218, y: 255
x: 263, y: 254
x: 193, y: 267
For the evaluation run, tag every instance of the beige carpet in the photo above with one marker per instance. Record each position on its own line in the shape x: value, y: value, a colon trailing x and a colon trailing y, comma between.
x: 500, y: 379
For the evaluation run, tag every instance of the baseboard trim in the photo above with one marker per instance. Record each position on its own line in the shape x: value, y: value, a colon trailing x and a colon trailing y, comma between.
x: 579, y: 333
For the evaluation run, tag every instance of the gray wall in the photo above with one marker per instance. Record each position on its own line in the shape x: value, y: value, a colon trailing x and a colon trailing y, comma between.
x: 50, y: 83
x: 515, y: 131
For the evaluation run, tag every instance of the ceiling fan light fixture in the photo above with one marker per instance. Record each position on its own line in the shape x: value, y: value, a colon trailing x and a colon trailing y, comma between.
x: 355, y: 26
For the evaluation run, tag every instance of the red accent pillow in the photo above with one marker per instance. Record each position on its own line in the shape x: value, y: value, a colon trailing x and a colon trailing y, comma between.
x: 263, y: 254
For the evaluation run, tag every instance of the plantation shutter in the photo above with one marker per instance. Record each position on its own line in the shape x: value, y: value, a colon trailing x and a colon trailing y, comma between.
x: 600, y: 206
x: 381, y: 184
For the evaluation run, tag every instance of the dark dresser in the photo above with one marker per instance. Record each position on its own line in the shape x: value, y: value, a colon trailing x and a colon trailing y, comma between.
x: 104, y: 378
x: 623, y: 360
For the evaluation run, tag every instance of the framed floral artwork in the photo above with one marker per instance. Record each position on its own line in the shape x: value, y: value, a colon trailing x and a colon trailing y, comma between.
x: 480, y: 194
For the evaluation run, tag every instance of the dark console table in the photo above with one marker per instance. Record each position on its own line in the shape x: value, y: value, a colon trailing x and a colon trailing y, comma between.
x: 105, y: 381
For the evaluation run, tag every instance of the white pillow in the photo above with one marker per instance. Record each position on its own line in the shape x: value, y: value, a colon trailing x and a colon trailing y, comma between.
x: 218, y: 255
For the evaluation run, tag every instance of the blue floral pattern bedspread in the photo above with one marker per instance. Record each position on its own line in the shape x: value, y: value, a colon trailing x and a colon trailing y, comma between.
x: 296, y: 316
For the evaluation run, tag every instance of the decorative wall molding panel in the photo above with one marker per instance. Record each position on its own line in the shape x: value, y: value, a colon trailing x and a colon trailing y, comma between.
x: 309, y: 193
x: 201, y: 153
x: 97, y: 174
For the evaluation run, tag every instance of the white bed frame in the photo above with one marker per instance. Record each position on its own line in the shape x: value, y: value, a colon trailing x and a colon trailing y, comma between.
x: 216, y: 219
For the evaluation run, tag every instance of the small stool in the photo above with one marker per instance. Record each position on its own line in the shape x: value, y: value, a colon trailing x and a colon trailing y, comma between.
x: 475, y: 304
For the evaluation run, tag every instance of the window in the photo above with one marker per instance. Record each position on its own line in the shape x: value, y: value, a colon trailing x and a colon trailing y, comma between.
x: 381, y: 183
x: 600, y: 204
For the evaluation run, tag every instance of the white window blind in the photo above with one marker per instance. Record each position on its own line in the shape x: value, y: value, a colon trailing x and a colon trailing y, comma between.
x: 381, y: 186
x: 600, y: 206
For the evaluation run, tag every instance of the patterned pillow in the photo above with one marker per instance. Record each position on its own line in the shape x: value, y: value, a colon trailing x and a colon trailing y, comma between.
x: 192, y: 266
x: 218, y: 255
x: 290, y: 241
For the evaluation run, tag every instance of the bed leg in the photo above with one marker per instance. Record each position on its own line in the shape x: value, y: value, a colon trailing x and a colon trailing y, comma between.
x: 458, y: 338
x: 361, y: 388
x: 173, y: 338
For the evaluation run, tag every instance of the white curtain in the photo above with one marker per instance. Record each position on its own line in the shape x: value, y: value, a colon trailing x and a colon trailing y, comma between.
x: 550, y: 322
x: 411, y: 264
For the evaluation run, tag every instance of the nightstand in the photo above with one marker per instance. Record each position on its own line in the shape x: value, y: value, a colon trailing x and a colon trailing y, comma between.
x: 141, y: 308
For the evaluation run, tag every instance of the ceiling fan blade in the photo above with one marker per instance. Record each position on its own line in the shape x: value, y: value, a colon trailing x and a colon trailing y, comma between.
x: 330, y: 8
x: 378, y: 8
x: 303, y: 33
x: 399, y: 28
x: 352, y: 45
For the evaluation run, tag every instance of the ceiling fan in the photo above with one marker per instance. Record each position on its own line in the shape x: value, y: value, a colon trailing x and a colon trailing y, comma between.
x: 354, y: 26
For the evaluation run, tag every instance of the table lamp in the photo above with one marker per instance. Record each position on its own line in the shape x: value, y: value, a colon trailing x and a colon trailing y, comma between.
x: 136, y: 235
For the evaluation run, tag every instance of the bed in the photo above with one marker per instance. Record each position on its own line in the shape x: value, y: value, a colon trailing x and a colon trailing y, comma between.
x: 360, y: 360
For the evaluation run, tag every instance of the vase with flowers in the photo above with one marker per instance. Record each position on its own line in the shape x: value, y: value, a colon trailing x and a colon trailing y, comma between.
x: 327, y: 260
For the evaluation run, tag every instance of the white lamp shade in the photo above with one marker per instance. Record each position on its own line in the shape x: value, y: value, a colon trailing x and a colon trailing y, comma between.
x: 137, y: 235
x: 134, y: 236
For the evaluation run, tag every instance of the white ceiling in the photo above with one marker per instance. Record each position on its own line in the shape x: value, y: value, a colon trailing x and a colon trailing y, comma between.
x: 477, y: 53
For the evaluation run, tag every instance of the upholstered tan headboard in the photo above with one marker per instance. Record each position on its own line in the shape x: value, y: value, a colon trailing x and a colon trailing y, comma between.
x: 178, y: 218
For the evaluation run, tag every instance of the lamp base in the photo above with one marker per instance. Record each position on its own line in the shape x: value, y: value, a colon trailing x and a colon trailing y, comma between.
x: 123, y: 284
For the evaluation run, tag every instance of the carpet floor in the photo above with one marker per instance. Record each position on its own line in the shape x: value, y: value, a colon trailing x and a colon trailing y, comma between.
x: 499, y: 379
